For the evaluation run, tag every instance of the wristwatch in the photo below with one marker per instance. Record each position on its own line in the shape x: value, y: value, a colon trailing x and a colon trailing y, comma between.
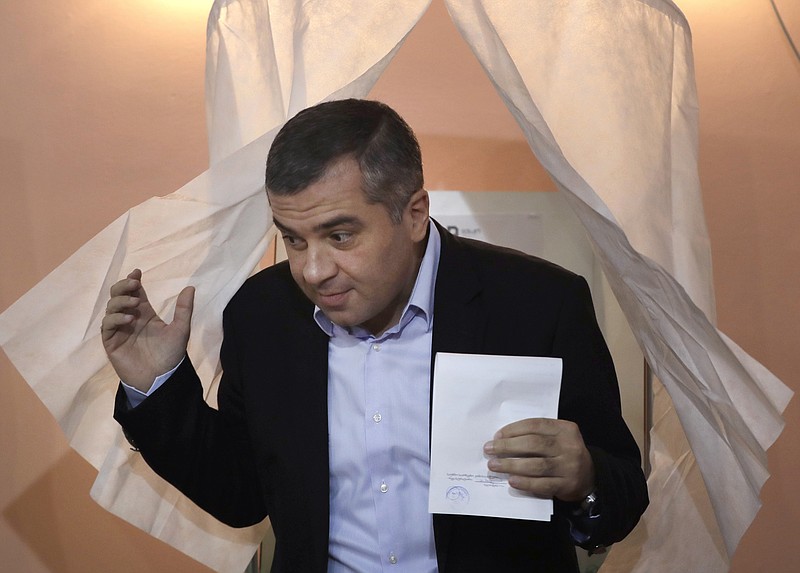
x: 590, y: 505
x: 582, y: 519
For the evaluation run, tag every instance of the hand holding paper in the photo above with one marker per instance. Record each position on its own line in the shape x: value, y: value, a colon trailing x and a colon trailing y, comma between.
x: 138, y: 343
x: 543, y: 457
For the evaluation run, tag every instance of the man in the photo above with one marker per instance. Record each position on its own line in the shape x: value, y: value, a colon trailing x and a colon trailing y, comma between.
x: 324, y: 405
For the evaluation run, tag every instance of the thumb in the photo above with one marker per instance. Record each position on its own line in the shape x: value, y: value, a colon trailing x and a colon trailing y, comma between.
x: 184, y: 306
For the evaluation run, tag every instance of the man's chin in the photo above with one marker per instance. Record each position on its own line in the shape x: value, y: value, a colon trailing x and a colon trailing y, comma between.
x: 340, y: 317
x: 333, y: 303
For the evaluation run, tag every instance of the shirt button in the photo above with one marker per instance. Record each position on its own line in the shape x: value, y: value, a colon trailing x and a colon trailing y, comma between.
x: 384, y: 487
x: 377, y: 417
x: 392, y: 559
x: 376, y: 347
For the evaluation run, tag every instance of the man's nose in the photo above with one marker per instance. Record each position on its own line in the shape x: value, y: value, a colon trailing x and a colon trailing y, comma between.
x: 319, y: 266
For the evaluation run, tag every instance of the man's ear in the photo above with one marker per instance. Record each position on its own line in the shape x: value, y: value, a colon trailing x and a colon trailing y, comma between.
x: 418, y: 210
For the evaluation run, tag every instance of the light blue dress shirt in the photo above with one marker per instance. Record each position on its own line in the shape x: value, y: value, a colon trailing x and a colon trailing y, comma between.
x: 378, y: 428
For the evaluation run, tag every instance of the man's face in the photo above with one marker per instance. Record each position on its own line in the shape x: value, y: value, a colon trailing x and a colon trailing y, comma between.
x: 346, y: 254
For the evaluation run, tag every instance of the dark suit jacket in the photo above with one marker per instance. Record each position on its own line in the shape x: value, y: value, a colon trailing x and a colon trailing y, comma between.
x: 265, y: 451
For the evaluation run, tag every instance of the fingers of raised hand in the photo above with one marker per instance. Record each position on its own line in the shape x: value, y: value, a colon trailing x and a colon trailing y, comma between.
x: 118, y: 314
x: 127, y: 286
x: 121, y: 310
x: 122, y: 304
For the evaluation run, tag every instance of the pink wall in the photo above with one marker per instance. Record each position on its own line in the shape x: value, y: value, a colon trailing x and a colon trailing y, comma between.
x: 101, y: 106
x: 749, y: 87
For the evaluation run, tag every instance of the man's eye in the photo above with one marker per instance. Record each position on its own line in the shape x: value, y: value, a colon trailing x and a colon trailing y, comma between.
x: 341, y: 237
x: 290, y: 240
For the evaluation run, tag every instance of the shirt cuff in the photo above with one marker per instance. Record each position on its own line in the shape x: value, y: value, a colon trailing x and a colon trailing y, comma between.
x: 136, y: 396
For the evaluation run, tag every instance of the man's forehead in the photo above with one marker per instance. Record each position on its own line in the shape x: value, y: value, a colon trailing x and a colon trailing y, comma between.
x: 332, y: 202
x: 334, y: 168
x: 333, y: 222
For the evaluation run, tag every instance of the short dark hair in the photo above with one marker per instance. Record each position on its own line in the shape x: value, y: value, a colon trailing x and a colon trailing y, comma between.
x: 370, y: 132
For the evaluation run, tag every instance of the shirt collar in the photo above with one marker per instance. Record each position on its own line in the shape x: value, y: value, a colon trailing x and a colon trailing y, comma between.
x: 421, y: 299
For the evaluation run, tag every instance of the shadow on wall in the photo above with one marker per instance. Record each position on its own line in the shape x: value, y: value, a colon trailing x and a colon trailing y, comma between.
x: 43, y: 517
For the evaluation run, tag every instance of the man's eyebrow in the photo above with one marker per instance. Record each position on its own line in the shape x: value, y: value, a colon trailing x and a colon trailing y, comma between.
x: 340, y: 221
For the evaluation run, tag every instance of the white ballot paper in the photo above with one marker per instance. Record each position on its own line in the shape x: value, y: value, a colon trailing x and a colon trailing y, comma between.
x: 475, y: 395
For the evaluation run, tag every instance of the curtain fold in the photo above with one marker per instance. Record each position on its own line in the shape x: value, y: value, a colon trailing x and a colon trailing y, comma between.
x: 604, y: 93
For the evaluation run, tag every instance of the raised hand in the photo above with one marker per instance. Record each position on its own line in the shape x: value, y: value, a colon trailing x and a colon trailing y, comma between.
x: 138, y: 343
x: 544, y: 457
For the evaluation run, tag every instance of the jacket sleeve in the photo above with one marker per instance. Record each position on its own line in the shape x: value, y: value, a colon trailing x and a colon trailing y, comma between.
x: 590, y: 398
x: 204, y: 452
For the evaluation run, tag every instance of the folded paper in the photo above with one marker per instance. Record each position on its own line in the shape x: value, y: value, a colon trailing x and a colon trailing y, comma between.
x: 474, y: 395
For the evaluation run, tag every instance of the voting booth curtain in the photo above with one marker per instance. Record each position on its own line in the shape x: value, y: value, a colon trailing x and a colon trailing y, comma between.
x: 604, y: 93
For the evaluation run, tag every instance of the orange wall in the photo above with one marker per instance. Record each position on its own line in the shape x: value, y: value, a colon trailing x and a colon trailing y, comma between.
x: 101, y: 107
x: 749, y: 86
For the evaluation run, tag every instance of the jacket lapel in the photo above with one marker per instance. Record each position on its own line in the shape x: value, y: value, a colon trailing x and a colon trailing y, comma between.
x: 459, y: 314
x: 458, y: 326
x: 307, y: 353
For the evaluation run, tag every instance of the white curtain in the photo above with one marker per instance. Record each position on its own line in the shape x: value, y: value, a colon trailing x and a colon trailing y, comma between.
x: 604, y: 92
